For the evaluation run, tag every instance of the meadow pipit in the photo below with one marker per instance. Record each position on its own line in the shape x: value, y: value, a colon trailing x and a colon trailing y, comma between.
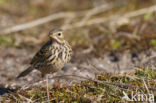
x: 53, y: 55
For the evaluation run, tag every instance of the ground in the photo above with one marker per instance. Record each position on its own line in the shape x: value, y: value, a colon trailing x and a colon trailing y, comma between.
x: 113, y: 42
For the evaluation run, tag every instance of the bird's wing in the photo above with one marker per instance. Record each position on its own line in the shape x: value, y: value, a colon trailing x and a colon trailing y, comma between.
x: 42, y: 54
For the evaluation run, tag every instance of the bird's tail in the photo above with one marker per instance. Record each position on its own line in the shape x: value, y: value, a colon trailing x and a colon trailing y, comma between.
x: 25, y: 72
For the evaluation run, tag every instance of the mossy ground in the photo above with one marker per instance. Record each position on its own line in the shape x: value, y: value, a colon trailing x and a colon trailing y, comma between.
x: 109, y: 88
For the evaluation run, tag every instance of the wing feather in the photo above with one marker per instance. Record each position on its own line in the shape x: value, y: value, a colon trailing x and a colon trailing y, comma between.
x: 42, y: 54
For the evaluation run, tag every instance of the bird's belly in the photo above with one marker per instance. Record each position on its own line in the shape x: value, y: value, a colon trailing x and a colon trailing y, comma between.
x: 48, y: 69
x: 55, y: 63
x: 59, y: 64
x: 52, y: 67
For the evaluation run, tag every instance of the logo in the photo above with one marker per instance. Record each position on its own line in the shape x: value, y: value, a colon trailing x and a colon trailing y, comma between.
x: 139, y: 97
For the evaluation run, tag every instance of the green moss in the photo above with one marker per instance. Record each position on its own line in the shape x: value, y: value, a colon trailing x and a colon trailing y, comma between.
x: 115, y: 44
x: 37, y: 95
x: 2, y: 2
x: 7, y: 40
x: 148, y: 16
x: 149, y: 73
x: 153, y: 42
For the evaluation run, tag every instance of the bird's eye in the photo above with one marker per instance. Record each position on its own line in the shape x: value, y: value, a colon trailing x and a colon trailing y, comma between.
x: 59, y: 34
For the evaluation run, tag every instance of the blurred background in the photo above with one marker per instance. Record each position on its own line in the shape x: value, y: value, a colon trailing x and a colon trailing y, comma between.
x: 112, y: 35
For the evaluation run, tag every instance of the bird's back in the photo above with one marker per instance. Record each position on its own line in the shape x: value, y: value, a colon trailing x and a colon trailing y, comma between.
x: 42, y: 54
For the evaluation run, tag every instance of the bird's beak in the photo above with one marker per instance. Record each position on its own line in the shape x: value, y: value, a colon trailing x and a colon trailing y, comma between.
x: 52, y: 36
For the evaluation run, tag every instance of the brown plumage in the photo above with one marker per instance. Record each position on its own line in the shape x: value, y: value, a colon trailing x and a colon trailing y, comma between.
x: 53, y: 55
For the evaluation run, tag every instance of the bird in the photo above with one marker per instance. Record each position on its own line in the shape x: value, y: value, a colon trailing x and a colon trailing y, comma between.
x: 52, y: 56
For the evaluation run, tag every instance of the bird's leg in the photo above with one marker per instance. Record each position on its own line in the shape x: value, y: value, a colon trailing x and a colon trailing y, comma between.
x: 56, y: 82
x: 47, y: 84
x: 52, y: 76
x: 43, y: 82
x: 47, y: 87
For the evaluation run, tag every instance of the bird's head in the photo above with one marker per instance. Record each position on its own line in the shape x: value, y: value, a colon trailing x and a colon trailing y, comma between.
x: 57, y: 35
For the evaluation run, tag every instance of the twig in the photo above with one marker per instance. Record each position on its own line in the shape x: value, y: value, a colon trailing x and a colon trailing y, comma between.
x: 48, y: 101
x: 67, y: 22
x: 75, y: 25
x: 146, y: 88
x: 28, y: 100
x: 43, y: 20
x: 56, y: 16
x: 34, y: 101
x: 95, y: 11
x: 104, y: 82
x: 14, y: 97
x: 88, y: 50
x: 140, y: 12
x: 37, y: 22
x: 114, y: 17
